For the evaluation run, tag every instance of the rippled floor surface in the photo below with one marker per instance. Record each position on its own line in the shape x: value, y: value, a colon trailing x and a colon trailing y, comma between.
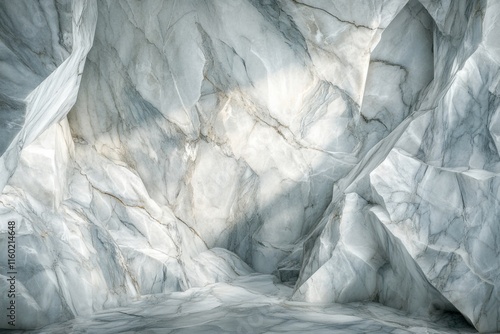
x: 250, y: 304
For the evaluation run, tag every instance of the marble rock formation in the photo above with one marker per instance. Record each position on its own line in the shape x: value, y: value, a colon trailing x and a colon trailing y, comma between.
x: 350, y: 148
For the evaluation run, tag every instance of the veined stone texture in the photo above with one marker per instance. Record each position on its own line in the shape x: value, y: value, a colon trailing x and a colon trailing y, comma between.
x: 348, y: 147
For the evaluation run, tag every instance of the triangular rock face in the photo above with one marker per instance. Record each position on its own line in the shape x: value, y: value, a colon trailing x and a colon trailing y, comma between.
x: 348, y: 147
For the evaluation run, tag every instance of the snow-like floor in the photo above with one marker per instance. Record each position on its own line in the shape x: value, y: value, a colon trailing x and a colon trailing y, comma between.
x: 250, y: 304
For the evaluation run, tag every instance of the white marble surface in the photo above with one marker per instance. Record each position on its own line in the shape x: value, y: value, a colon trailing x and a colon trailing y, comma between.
x: 432, y: 189
x: 350, y: 148
x: 250, y: 304
x: 51, y: 100
x: 35, y: 39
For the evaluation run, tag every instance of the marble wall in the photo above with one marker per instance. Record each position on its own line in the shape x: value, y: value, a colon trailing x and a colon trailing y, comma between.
x: 348, y: 147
